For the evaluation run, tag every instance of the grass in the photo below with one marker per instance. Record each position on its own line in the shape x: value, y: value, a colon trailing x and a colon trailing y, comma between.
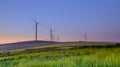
x: 52, y: 57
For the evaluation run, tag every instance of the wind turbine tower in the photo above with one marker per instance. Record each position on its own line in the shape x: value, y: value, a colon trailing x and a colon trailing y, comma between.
x: 51, y: 35
x: 36, y: 31
x: 85, y: 37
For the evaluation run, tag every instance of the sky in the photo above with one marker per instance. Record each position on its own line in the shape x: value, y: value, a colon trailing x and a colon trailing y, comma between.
x: 70, y: 20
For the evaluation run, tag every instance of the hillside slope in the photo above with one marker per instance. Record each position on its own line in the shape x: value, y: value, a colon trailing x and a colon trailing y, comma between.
x: 25, y: 44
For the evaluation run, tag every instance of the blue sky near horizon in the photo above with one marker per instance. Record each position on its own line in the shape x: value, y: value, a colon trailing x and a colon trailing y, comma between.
x: 71, y: 19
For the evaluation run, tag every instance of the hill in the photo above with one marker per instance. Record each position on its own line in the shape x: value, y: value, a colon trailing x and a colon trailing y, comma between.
x: 23, y: 45
x: 47, y: 44
x: 67, y: 54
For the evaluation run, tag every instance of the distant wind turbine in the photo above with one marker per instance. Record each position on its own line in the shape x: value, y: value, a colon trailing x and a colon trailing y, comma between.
x: 85, y: 37
x: 51, y: 35
x: 36, y: 30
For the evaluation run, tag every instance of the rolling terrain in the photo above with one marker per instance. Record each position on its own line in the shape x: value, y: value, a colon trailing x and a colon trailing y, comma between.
x: 23, y: 45
x: 67, y: 54
x: 43, y: 44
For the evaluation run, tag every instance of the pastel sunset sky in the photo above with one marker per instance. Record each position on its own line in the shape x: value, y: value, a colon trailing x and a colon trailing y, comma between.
x: 70, y: 19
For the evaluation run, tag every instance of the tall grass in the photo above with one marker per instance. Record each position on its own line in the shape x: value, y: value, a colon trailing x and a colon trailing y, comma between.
x: 102, y: 57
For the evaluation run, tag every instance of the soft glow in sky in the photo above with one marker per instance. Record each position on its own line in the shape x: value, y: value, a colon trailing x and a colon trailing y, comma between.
x: 71, y: 19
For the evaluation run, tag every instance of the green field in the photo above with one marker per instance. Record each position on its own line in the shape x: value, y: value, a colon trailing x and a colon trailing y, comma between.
x: 75, y: 56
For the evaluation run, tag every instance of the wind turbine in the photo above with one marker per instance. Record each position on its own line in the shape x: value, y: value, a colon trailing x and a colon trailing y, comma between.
x: 51, y: 35
x: 85, y: 37
x: 36, y: 30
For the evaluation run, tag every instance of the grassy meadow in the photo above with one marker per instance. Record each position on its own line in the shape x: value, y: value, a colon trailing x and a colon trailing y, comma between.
x: 65, y: 55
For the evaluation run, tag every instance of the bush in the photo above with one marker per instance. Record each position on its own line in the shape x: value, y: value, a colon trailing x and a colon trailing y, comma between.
x: 117, y: 44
